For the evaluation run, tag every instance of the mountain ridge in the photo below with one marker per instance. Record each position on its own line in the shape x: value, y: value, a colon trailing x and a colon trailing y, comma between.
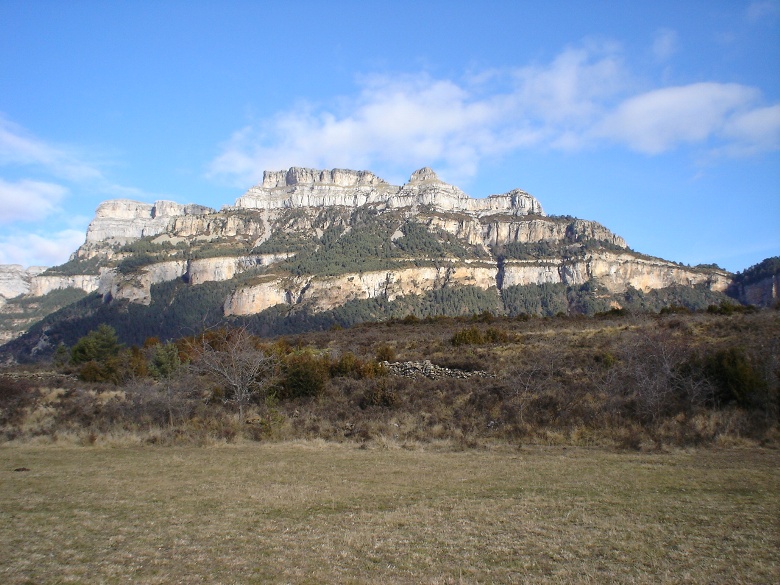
x: 312, y: 240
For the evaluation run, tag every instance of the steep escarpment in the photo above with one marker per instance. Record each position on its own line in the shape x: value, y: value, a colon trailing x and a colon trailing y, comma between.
x: 121, y: 220
x: 306, y: 242
x: 759, y: 285
x: 15, y: 280
x: 312, y: 188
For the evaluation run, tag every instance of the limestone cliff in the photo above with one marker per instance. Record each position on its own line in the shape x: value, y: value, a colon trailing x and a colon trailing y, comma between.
x: 43, y: 284
x: 15, y: 280
x: 320, y: 238
x: 312, y: 188
x: 615, y: 271
x: 121, y: 220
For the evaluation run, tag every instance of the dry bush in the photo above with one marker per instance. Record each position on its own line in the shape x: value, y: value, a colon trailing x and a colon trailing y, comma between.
x: 15, y: 396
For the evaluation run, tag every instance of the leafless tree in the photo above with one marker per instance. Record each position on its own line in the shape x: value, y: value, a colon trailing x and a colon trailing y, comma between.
x: 654, y: 364
x: 232, y: 356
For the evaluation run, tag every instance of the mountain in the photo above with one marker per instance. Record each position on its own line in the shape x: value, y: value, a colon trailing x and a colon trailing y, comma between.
x: 312, y: 248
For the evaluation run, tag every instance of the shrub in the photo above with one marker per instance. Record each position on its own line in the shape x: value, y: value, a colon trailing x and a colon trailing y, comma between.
x: 385, y: 353
x: 470, y: 336
x: 305, y: 374
x: 378, y: 394
x: 735, y: 377
x: 15, y: 396
x: 493, y: 335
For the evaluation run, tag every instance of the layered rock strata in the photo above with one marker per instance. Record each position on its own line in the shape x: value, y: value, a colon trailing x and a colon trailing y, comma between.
x: 122, y: 220
x: 614, y: 271
x: 15, y: 280
x: 299, y: 187
x: 304, y: 203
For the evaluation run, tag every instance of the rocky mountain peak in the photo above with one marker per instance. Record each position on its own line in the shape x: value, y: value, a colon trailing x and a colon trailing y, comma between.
x: 302, y: 187
x: 425, y: 174
x: 123, y: 220
x: 299, y: 176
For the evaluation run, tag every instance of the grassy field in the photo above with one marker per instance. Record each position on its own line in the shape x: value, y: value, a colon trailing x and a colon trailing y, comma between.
x: 314, y: 512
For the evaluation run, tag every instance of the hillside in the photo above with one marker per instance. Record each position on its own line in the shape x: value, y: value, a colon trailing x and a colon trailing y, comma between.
x: 307, y: 249
x: 630, y: 381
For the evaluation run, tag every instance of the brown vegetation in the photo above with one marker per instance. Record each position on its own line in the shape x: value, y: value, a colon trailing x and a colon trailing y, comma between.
x: 311, y: 512
x: 618, y: 380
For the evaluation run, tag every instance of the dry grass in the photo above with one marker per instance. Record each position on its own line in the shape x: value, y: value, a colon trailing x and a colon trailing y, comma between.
x: 317, y: 512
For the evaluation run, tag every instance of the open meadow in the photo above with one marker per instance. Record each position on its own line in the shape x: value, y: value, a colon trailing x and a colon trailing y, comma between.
x: 318, y: 512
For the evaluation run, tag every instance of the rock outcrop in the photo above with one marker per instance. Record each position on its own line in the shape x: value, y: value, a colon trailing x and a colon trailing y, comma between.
x: 761, y: 293
x: 15, y: 280
x: 43, y: 284
x: 615, y: 271
x: 122, y: 220
x: 299, y: 187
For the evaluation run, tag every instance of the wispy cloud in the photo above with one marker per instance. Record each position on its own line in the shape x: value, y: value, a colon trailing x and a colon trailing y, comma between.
x: 64, y: 169
x: 665, y: 44
x: 584, y: 98
x: 754, y: 131
x: 46, y: 175
x: 660, y: 120
x: 762, y: 10
x: 31, y: 249
x: 27, y: 200
x: 20, y: 148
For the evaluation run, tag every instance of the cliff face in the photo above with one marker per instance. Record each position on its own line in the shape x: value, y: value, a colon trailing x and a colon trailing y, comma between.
x: 15, y: 280
x: 121, y: 220
x: 321, y: 294
x: 762, y: 293
x: 320, y: 238
x: 614, y: 271
x: 311, y: 188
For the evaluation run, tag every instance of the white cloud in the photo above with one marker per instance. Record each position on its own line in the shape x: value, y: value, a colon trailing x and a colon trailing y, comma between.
x: 403, y: 121
x: 660, y: 120
x: 417, y: 120
x: 573, y: 88
x: 37, y: 250
x: 665, y: 44
x: 19, y: 148
x: 583, y: 98
x: 754, y: 131
x: 27, y: 200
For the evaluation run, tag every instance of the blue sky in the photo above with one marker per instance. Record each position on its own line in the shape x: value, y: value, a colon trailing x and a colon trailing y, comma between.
x: 660, y: 120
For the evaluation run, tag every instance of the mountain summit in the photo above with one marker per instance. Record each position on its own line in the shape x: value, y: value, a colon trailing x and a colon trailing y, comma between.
x: 298, y: 187
x: 309, y: 248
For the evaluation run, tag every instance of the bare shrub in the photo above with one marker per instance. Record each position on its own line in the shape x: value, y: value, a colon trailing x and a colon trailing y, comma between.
x: 15, y: 396
x: 233, y: 358
x: 654, y: 374
x: 380, y: 394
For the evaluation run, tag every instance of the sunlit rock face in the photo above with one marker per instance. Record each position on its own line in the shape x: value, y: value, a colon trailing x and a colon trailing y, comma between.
x: 504, y: 240
x: 122, y: 220
x: 298, y: 187
x: 15, y: 279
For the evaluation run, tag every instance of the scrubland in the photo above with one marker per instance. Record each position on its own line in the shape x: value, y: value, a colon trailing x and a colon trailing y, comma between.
x: 623, y: 381
x: 621, y: 448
